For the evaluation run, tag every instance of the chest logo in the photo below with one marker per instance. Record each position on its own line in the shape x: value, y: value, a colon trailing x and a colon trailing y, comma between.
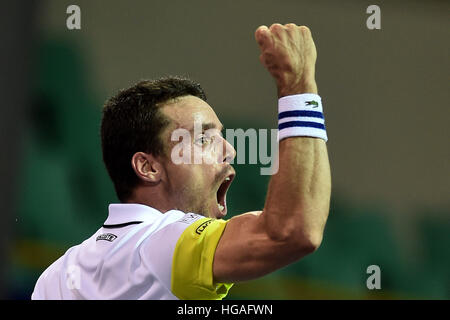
x: 107, y: 236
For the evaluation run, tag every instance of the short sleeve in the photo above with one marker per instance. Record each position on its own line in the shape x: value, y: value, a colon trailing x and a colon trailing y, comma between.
x: 192, y: 265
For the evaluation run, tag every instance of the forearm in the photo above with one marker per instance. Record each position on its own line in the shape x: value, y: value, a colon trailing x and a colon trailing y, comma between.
x: 298, y: 197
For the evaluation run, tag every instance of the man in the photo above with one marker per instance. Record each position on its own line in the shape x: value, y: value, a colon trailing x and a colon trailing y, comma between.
x: 167, y: 238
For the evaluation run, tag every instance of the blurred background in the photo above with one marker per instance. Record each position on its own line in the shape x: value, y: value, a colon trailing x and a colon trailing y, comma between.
x: 386, y: 101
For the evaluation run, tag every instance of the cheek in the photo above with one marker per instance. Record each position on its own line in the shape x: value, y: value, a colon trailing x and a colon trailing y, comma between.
x: 190, y: 177
x: 178, y: 177
x: 192, y: 181
x: 200, y: 183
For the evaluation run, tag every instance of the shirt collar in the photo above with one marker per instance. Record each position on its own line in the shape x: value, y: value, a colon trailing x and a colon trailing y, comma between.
x: 129, y: 212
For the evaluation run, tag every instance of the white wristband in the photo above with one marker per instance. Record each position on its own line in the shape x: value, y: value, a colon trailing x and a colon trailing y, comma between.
x: 301, y: 115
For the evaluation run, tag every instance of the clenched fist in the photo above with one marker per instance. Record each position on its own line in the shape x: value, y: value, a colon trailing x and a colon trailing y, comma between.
x: 289, y: 53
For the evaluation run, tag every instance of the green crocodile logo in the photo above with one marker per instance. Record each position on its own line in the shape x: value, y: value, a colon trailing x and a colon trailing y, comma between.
x: 313, y: 103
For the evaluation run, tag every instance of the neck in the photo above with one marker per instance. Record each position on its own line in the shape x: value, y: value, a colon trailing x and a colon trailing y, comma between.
x: 152, y: 199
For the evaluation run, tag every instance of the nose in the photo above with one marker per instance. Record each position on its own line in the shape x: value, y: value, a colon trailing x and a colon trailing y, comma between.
x: 229, y: 153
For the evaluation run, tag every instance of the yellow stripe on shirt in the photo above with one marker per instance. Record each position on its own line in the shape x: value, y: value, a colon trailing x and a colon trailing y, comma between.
x: 192, y: 264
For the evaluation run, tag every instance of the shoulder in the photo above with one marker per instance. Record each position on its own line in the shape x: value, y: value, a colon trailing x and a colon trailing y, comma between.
x: 192, y: 261
x: 177, y: 228
x: 175, y: 222
x: 190, y: 228
x: 185, y: 248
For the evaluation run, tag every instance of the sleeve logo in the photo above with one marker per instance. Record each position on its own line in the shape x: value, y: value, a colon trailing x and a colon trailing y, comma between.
x: 203, y: 226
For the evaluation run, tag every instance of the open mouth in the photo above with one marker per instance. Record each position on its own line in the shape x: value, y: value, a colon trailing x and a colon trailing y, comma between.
x: 222, y: 194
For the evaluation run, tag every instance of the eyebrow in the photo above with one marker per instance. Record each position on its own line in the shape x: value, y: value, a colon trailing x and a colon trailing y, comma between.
x: 210, y: 125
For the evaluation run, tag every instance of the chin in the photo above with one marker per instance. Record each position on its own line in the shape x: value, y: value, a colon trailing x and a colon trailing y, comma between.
x: 217, y: 213
x: 213, y: 212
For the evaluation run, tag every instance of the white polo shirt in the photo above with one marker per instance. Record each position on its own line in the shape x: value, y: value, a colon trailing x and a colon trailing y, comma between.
x: 139, y: 253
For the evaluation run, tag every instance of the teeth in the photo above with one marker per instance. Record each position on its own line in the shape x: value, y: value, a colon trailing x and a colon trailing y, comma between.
x: 221, y: 207
x: 227, y: 179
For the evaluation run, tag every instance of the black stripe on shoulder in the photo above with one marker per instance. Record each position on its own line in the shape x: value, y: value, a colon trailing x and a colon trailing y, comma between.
x: 112, y: 226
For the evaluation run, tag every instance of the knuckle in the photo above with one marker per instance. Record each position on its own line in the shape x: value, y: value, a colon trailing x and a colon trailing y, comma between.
x: 276, y: 27
x: 260, y: 29
x: 304, y: 29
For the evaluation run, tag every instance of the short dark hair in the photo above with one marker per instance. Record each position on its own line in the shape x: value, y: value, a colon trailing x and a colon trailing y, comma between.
x: 132, y: 122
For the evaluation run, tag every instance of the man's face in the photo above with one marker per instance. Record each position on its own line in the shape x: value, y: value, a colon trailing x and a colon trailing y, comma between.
x: 199, y: 184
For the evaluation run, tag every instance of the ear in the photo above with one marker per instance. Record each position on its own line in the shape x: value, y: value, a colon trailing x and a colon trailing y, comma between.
x: 147, y: 167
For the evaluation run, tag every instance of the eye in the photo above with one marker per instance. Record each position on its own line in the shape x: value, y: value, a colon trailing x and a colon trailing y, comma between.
x: 203, y: 139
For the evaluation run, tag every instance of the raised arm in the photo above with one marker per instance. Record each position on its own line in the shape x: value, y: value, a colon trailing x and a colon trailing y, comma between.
x: 292, y: 222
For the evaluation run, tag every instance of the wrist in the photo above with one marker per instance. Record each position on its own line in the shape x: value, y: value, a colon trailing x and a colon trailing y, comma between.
x: 303, y: 86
